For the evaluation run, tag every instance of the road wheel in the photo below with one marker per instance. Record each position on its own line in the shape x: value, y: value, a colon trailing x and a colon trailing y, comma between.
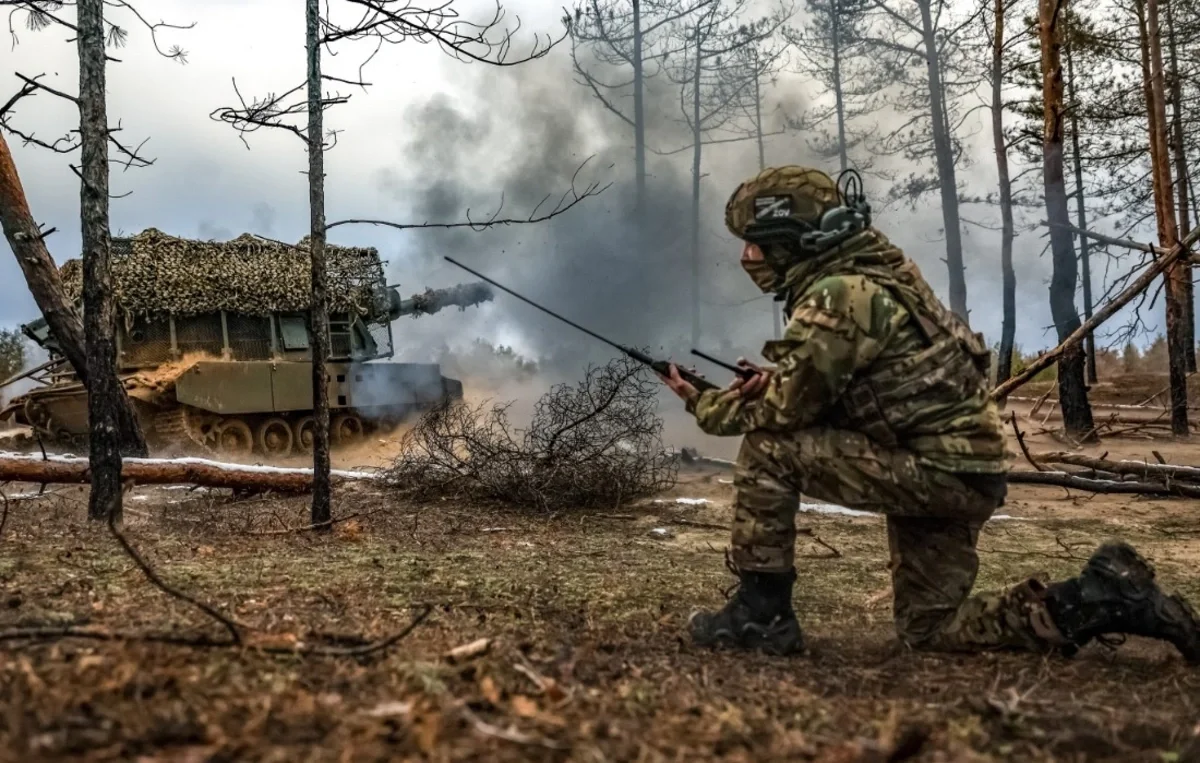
x: 275, y: 438
x: 346, y: 429
x: 302, y: 431
x: 234, y: 438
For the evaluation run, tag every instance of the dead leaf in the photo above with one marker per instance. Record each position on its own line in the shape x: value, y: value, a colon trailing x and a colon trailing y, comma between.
x: 524, y: 706
x: 553, y: 691
x: 90, y: 661
x: 351, y: 530
x: 469, y: 651
x: 205, y: 551
x: 429, y: 728
x: 487, y: 687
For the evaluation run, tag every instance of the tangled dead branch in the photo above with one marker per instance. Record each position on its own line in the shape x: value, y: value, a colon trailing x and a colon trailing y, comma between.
x: 594, y: 444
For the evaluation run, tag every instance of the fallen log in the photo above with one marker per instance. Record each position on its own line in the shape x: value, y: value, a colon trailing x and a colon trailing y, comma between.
x: 1137, y: 468
x: 1068, y: 480
x: 1110, y: 308
x: 16, y: 467
x: 1140, y: 408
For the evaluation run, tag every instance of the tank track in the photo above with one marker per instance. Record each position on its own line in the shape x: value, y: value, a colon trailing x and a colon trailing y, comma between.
x: 176, y: 428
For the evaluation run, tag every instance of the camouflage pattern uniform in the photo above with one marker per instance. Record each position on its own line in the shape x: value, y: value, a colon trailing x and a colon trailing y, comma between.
x: 879, y: 401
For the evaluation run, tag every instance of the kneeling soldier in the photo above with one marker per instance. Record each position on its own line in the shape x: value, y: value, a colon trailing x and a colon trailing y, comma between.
x: 879, y: 400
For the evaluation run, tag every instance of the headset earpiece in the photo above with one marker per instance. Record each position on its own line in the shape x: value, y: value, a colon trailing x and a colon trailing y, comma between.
x: 774, y: 225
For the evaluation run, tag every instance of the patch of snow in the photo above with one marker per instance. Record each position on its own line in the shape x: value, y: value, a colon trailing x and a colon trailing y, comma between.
x: 686, y: 501
x: 725, y: 482
x: 829, y: 508
x: 189, y: 461
x: 661, y: 532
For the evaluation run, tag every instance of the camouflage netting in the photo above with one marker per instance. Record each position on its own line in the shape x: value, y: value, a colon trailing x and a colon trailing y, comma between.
x: 156, y: 273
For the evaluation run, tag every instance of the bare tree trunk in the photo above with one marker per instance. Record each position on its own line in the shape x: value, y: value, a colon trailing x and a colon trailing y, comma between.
x: 944, y: 151
x: 1085, y: 258
x: 1107, y: 310
x: 1181, y: 175
x: 776, y: 319
x: 1008, y: 326
x: 41, y: 274
x: 319, y: 316
x: 106, y: 396
x: 45, y: 284
x: 838, y: 96
x: 1072, y: 390
x: 1164, y: 208
x: 639, y: 112
x: 696, y: 147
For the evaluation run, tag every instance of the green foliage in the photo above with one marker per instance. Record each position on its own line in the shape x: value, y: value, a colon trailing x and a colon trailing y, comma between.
x: 12, y: 352
x: 1131, y: 358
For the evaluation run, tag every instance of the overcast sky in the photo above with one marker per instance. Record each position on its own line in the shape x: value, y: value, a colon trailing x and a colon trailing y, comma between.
x: 431, y: 137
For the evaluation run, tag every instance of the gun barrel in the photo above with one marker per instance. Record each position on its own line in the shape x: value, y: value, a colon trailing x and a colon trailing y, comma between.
x: 431, y: 301
x: 659, y: 366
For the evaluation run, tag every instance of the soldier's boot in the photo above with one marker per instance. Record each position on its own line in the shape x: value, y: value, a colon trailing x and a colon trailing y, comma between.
x: 758, y: 616
x: 1116, y: 594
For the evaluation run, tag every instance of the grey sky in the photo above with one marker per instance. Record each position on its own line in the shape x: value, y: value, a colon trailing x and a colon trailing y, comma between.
x: 430, y: 138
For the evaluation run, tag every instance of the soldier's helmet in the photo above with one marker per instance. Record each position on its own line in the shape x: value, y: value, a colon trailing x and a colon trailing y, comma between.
x: 802, y: 194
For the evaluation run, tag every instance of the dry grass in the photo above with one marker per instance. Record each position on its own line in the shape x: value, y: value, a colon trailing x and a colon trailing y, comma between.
x: 586, y: 615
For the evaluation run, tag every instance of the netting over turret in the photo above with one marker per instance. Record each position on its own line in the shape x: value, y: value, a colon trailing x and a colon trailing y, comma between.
x: 153, y: 273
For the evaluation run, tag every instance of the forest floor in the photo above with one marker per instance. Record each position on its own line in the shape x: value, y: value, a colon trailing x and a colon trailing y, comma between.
x: 586, y: 615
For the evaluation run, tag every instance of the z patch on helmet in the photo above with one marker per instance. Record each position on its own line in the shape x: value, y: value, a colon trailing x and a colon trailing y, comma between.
x: 772, y: 207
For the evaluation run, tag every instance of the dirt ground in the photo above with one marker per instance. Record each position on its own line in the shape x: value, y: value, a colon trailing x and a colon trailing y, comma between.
x: 586, y: 615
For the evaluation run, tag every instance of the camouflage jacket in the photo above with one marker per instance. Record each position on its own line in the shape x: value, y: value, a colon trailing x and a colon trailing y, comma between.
x: 869, y: 347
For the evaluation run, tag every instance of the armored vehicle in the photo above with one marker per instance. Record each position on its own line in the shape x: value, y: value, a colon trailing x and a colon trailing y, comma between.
x: 214, y: 347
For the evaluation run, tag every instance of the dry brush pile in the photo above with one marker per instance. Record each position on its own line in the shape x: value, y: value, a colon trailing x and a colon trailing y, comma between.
x: 593, y: 444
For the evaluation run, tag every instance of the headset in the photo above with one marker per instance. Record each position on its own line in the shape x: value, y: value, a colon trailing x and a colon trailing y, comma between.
x: 774, y: 223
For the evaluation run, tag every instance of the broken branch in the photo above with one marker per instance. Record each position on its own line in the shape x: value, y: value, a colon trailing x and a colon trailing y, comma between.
x: 1065, y: 479
x: 1148, y: 277
x: 1135, y: 468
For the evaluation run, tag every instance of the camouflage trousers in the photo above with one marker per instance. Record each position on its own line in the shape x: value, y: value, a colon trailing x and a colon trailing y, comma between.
x: 933, y: 523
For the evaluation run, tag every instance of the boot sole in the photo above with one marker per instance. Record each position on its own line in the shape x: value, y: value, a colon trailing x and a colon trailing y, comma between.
x: 752, y: 638
x: 1137, y: 570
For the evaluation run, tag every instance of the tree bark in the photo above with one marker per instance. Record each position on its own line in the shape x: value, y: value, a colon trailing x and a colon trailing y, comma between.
x: 1072, y: 389
x: 106, y: 396
x: 639, y: 114
x: 838, y: 96
x: 1008, y: 326
x: 696, y: 152
x: 1179, y: 149
x: 64, y: 470
x: 41, y: 274
x: 1085, y: 259
x: 322, y: 497
x: 1164, y: 208
x: 944, y: 152
x: 776, y: 319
